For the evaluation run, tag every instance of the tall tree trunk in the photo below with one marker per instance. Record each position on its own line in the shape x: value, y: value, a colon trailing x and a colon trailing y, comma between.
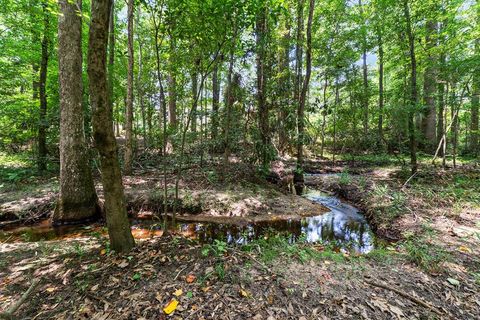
x: 77, y: 201
x: 43, y: 125
x: 429, y: 120
x: 121, y: 239
x: 365, y: 95
x: 172, y: 86
x: 146, y: 137
x: 413, y: 89
x: 261, y: 26
x: 474, y: 115
x: 111, y: 59
x: 299, y: 51
x: 285, y: 87
x: 380, y: 88
x: 303, y: 96
x: 228, y: 108
x: 129, y: 106
x: 215, y: 100
x: 194, y: 100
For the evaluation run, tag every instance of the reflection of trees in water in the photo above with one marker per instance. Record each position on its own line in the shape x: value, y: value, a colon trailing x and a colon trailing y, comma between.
x: 348, y: 229
x: 340, y: 228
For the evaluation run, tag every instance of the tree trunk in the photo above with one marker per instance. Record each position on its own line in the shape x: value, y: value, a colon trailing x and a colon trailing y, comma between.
x: 129, y: 106
x: 299, y: 51
x: 111, y: 60
x: 413, y: 89
x: 172, y: 87
x: 121, y: 239
x: 380, y: 88
x: 194, y: 100
x: 474, y: 115
x: 303, y: 96
x: 284, y: 84
x: 77, y: 201
x: 365, y: 96
x: 261, y: 26
x: 429, y: 120
x: 215, y: 101
x: 43, y: 124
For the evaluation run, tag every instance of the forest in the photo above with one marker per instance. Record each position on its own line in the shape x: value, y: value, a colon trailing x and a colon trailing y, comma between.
x: 239, y: 159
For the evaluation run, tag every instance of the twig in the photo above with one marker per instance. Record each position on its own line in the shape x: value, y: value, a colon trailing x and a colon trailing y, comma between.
x: 408, y: 180
x: 179, y: 273
x: 405, y: 295
x: 10, y: 311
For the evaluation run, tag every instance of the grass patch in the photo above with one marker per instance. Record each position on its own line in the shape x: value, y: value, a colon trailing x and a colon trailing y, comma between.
x: 425, y: 255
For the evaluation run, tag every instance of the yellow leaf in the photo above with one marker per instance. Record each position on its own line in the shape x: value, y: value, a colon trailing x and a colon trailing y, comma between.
x: 103, y: 251
x: 50, y: 290
x: 464, y: 249
x: 171, y: 306
x: 178, y: 292
x: 244, y: 293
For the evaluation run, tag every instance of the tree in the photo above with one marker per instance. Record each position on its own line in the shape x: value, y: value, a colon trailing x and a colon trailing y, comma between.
x: 129, y: 109
x: 429, y: 120
x: 413, y: 99
x: 261, y: 30
x: 77, y: 200
x: 121, y: 239
x: 43, y: 125
x: 303, y: 96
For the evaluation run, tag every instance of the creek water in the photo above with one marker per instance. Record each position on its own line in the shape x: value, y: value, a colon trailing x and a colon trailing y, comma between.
x: 343, y: 226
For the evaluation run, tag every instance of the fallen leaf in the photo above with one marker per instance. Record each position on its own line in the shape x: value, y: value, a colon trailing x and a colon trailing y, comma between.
x: 171, y: 306
x: 50, y: 289
x: 454, y: 282
x: 244, y: 293
x: 158, y: 296
x: 178, y: 292
x: 94, y: 288
x: 103, y: 251
x: 124, y: 264
x: 464, y: 249
x: 190, y: 278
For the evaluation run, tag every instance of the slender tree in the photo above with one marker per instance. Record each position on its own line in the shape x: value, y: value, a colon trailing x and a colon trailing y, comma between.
x: 129, y: 107
x: 303, y: 96
x: 121, y: 239
x: 413, y: 99
x: 42, y: 84
x: 429, y: 120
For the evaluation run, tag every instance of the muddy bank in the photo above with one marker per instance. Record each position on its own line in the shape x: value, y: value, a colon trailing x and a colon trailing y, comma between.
x: 242, y: 197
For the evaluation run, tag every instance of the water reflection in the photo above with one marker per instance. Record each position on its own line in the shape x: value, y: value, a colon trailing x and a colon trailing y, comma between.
x: 343, y: 227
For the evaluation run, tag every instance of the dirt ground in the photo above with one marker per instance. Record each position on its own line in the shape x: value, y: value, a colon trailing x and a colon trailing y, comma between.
x: 426, y: 265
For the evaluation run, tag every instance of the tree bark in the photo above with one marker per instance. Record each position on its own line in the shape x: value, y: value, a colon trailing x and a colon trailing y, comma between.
x: 215, y: 100
x: 380, y: 88
x: 129, y: 106
x: 474, y: 115
x: 121, y: 239
x: 261, y: 26
x: 194, y: 100
x: 172, y: 86
x: 303, y: 96
x: 429, y: 120
x: 285, y: 87
x: 413, y: 89
x: 299, y: 51
x: 365, y: 96
x: 43, y: 124
x: 77, y: 201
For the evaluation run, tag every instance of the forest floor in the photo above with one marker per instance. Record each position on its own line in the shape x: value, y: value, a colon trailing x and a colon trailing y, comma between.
x: 426, y: 264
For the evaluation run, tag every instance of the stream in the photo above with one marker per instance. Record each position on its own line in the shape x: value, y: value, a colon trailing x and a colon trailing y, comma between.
x: 343, y: 226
